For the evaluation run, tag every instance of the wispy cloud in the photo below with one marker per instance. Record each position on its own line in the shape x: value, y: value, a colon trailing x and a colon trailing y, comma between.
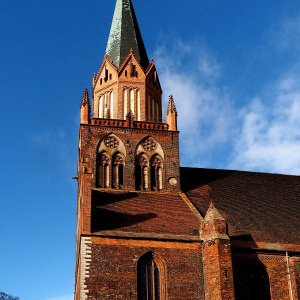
x: 203, y: 107
x: 269, y: 138
x: 262, y: 136
x: 57, y: 146
x: 285, y: 34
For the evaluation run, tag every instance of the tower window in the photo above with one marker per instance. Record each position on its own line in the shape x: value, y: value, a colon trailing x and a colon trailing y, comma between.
x: 142, y: 172
x: 106, y: 75
x: 156, y: 173
x: 110, y: 76
x: 118, y: 171
x: 103, y: 170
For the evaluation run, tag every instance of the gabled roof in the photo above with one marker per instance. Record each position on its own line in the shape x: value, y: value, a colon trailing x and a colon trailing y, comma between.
x: 258, y: 207
x: 143, y: 213
x: 124, y: 35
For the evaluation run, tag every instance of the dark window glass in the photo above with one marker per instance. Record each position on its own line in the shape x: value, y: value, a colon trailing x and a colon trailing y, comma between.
x: 148, y: 279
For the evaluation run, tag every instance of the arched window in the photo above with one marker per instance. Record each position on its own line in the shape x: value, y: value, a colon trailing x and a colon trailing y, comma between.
x: 142, y: 172
x: 156, y: 173
x: 103, y: 170
x: 118, y: 170
x: 150, y: 285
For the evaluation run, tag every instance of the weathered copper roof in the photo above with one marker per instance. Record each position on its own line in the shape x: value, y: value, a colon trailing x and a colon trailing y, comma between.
x: 124, y: 35
x: 260, y: 207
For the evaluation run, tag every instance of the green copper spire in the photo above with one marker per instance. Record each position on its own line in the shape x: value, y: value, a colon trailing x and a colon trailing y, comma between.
x: 124, y: 35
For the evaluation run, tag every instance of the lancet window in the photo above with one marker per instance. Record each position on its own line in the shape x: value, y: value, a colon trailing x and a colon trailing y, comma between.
x: 156, y: 173
x: 132, y: 102
x: 118, y: 170
x: 103, y: 172
x: 153, y: 111
x: 106, y: 105
x: 150, y: 277
x: 142, y: 172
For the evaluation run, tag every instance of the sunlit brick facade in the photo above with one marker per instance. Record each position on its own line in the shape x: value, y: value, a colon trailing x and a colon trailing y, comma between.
x: 148, y: 229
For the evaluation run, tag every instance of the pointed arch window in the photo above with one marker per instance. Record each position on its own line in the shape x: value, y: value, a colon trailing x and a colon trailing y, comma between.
x: 150, y: 278
x: 156, y: 173
x: 106, y: 105
x: 103, y: 170
x: 118, y: 170
x: 142, y: 172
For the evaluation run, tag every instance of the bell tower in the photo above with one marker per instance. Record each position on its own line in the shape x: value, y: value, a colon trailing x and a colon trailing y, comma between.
x: 125, y: 148
x: 126, y: 80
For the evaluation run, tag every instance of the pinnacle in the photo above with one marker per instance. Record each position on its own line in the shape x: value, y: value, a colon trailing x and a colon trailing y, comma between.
x: 85, y: 97
x: 213, y: 214
x: 171, y: 105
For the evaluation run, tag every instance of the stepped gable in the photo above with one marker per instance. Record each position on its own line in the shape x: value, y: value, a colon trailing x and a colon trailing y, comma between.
x: 257, y: 206
x: 161, y: 213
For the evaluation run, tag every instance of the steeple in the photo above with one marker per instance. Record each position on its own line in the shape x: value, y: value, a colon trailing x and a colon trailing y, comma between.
x: 124, y: 35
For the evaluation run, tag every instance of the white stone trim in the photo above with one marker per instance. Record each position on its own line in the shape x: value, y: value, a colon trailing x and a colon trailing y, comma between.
x: 85, y: 260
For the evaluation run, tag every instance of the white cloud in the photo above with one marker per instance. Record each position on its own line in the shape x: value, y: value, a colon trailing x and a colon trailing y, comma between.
x: 204, y: 109
x: 269, y: 138
x: 263, y: 136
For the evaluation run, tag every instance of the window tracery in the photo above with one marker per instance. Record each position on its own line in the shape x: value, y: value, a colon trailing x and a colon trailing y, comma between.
x: 149, y: 144
x: 111, y: 142
x: 150, y: 278
x: 110, y: 163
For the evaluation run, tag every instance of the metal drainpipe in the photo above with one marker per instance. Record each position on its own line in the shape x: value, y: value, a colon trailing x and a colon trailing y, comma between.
x: 289, y: 275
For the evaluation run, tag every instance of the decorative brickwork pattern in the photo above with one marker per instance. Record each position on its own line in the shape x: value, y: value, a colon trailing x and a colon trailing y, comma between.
x: 85, y: 261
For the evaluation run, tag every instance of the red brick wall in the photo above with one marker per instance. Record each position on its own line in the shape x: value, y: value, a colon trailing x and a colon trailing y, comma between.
x: 113, y: 271
x: 218, y: 274
x: 92, y: 135
x: 263, y: 274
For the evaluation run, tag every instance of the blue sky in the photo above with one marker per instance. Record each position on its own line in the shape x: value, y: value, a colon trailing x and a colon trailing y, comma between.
x: 233, y: 67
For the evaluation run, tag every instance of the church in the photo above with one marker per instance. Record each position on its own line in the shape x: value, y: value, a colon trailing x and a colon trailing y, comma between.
x: 148, y: 229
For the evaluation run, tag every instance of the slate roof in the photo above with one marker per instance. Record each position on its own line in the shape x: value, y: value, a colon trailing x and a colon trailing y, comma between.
x: 159, y: 213
x: 257, y: 206
x: 124, y: 35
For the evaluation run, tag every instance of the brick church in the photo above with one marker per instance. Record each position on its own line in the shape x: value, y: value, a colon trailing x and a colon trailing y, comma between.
x: 148, y: 229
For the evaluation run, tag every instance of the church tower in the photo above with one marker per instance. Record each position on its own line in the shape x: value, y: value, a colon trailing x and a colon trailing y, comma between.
x: 139, y: 237
x: 128, y: 163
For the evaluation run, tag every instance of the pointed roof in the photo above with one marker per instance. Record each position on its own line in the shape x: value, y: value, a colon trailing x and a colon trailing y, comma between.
x: 85, y: 98
x: 125, y: 35
x: 171, y: 105
x: 213, y: 214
